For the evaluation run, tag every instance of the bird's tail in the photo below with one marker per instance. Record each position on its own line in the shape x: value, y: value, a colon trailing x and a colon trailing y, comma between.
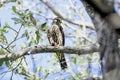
x: 62, y: 60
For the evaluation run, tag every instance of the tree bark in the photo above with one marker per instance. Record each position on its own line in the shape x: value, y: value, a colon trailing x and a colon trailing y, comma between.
x: 106, y: 22
x: 37, y: 49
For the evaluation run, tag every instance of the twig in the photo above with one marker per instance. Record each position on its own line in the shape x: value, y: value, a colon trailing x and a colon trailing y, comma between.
x: 44, y: 16
x: 5, y: 48
x: 15, y: 37
x: 11, y: 70
x: 79, y: 23
x: 73, y: 36
x: 12, y: 29
x: 11, y: 75
x: 28, y: 74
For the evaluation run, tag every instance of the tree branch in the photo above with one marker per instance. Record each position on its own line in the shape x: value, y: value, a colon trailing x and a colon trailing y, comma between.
x: 29, y: 74
x: 56, y: 12
x: 15, y: 37
x: 45, y: 49
x: 104, y: 7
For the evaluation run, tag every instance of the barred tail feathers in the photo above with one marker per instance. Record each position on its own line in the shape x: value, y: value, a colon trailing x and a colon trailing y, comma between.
x: 62, y: 60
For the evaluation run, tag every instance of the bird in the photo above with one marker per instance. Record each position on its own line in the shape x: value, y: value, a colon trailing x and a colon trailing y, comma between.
x: 56, y: 37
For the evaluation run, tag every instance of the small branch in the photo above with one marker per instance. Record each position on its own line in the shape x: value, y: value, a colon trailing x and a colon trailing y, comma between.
x: 5, y: 48
x: 11, y: 76
x: 5, y: 1
x: 10, y: 70
x: 56, y: 12
x: 29, y: 74
x: 84, y: 37
x: 44, y: 16
x: 12, y: 29
x: 45, y: 49
x: 15, y: 37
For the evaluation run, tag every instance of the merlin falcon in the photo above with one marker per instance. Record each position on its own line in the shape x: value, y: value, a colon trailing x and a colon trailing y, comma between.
x: 56, y: 37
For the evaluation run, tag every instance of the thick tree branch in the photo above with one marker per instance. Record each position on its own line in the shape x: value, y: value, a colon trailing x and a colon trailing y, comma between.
x: 45, y: 49
x: 56, y: 12
x: 106, y: 25
x: 104, y: 7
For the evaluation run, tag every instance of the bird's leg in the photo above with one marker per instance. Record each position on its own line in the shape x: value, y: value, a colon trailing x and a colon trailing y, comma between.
x: 53, y: 44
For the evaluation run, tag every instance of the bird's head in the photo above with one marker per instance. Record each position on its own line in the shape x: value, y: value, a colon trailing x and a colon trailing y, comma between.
x: 57, y: 20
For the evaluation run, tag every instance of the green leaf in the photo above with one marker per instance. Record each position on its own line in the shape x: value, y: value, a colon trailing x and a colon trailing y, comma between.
x: 1, y: 62
x: 27, y: 78
x: 32, y: 42
x: 26, y: 10
x: 8, y: 64
x: 19, y: 2
x: 38, y: 69
x: 4, y: 30
x: 6, y: 25
x: 1, y: 5
x: 39, y: 11
x: 47, y: 73
x: 2, y: 51
x: 14, y: 8
x: 13, y: 0
x: 43, y: 26
x: 19, y: 13
x: 37, y: 36
x: 75, y: 60
x: 21, y: 69
x: 15, y: 19
x: 55, y: 55
x: 25, y: 34
x: 2, y: 37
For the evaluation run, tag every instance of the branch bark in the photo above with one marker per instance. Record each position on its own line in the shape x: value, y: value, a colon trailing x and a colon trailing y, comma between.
x: 56, y: 12
x: 106, y: 23
x: 104, y: 7
x: 45, y: 49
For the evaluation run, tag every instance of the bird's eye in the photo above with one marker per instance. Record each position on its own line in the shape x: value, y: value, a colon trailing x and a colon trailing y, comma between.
x: 57, y: 20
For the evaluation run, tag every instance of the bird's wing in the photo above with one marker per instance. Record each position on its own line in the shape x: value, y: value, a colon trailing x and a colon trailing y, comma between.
x: 52, y: 35
x: 61, y: 39
x: 63, y: 36
x: 60, y: 36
